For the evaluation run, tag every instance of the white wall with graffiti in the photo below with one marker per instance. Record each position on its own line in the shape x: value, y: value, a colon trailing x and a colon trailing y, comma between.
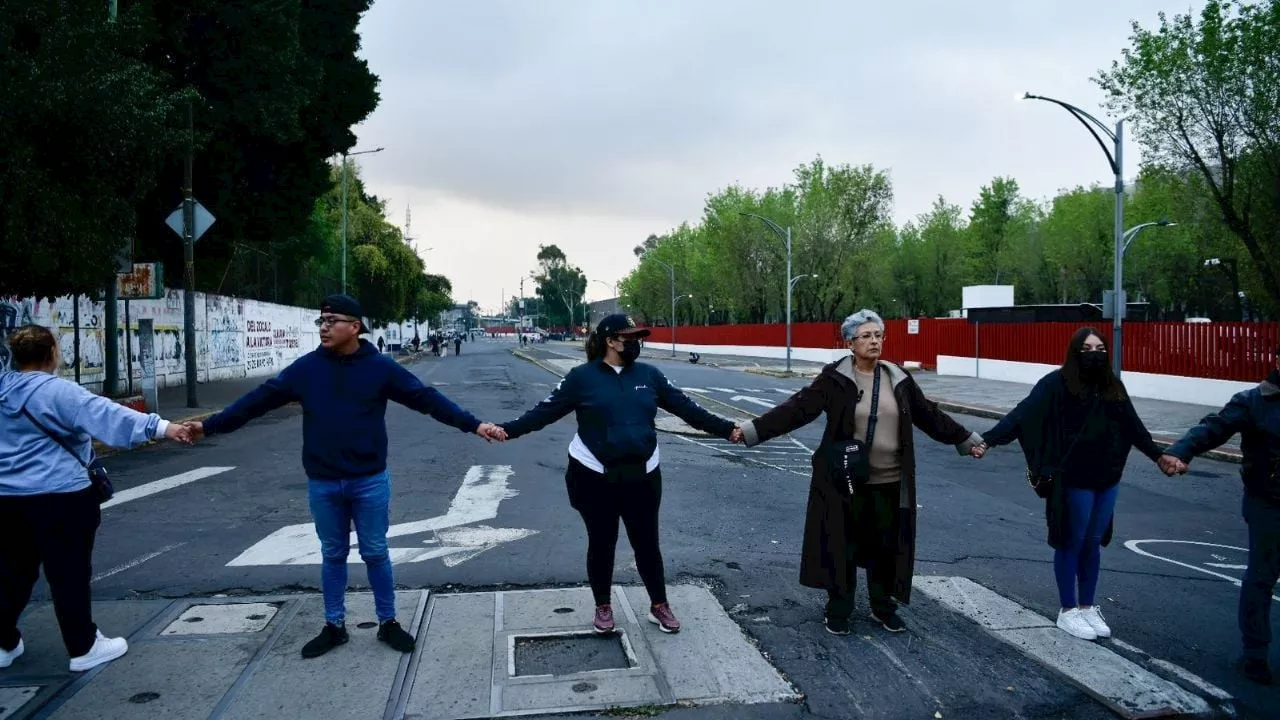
x: 234, y: 338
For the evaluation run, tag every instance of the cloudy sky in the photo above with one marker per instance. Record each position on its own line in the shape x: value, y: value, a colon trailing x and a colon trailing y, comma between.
x: 593, y: 123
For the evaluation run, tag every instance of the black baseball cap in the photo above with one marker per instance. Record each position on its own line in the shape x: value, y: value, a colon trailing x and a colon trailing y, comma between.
x: 344, y: 305
x: 621, y: 325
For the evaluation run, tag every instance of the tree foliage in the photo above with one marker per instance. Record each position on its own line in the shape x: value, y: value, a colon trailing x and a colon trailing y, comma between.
x: 560, y: 287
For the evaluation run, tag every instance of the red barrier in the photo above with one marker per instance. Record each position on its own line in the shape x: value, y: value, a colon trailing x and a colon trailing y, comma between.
x: 1224, y: 351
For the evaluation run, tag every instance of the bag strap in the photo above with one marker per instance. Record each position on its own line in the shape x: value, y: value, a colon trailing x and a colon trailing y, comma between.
x: 55, y: 438
x: 875, y: 407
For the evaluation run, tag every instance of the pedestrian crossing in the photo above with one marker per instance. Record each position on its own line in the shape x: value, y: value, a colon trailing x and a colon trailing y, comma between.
x: 737, y: 391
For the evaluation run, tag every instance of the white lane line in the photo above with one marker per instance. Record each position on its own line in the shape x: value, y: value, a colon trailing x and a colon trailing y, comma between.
x: 1125, y: 687
x: 785, y: 391
x: 697, y: 390
x: 1135, y: 545
x: 135, y: 562
x: 723, y: 390
x: 752, y: 400
x: 168, y: 483
x: 726, y: 452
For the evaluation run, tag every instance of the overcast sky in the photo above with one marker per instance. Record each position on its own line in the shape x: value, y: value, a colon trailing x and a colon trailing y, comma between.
x: 593, y: 123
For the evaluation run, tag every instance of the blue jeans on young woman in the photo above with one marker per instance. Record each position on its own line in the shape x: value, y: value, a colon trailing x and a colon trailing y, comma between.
x: 336, y: 505
x: 1089, y: 512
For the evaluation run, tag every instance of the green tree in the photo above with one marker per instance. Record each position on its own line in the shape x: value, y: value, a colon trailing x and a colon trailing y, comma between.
x: 1204, y: 97
x: 560, y: 286
x: 86, y: 124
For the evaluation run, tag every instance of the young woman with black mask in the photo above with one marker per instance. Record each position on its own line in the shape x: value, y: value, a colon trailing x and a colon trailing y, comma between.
x: 613, y: 460
x: 1076, y: 429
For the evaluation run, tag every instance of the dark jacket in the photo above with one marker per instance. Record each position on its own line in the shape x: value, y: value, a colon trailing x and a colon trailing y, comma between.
x: 826, y: 553
x: 616, y: 410
x: 1255, y: 414
x: 344, y: 403
x: 1049, y: 420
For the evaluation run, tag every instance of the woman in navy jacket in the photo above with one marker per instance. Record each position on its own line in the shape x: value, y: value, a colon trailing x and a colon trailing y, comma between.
x: 613, y: 460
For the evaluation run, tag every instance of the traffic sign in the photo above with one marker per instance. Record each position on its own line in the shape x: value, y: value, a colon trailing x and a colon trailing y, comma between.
x: 203, y: 221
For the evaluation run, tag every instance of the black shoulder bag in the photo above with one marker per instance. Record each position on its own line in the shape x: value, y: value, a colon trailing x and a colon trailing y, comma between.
x: 1043, y: 483
x: 99, y: 480
x: 849, y: 461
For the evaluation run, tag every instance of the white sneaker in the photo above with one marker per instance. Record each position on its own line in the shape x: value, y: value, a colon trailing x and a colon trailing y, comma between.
x: 1093, y: 616
x: 104, y: 650
x: 1073, y: 623
x: 8, y: 656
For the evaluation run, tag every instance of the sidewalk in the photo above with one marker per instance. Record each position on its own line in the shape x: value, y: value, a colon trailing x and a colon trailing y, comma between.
x: 478, y: 655
x: 980, y: 397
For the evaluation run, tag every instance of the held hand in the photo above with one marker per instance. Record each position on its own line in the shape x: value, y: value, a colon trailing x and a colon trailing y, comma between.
x: 491, y: 432
x: 977, y: 451
x: 736, y: 436
x: 179, y: 433
x: 1171, y: 465
x: 195, y: 430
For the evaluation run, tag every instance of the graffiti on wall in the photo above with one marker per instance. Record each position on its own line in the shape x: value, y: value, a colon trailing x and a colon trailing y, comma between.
x: 13, y: 314
x: 224, y: 318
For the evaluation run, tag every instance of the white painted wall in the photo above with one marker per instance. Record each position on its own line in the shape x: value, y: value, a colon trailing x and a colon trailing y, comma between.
x: 1174, y: 388
x: 760, y: 351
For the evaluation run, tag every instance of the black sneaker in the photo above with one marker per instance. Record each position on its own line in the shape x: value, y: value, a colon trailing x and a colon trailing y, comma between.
x: 890, y: 622
x: 1257, y: 670
x: 392, y: 634
x: 329, y: 638
x: 838, y: 625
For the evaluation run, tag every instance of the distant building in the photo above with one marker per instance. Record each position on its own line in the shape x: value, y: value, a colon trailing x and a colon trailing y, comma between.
x: 597, y: 311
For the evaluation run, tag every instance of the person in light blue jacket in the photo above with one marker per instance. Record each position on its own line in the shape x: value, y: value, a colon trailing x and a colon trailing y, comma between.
x: 49, y: 510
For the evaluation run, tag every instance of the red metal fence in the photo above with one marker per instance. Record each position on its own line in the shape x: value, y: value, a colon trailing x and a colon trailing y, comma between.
x: 1224, y: 351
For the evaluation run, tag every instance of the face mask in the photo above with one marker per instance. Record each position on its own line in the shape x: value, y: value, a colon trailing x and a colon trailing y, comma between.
x: 630, y: 351
x: 1093, y: 363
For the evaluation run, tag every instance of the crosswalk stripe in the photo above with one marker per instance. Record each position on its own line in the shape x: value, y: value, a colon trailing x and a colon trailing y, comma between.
x: 161, y: 485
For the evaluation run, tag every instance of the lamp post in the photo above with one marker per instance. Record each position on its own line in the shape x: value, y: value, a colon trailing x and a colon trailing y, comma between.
x: 1115, y: 157
x: 1228, y: 266
x: 344, y: 210
x: 613, y: 287
x: 785, y: 235
x: 640, y: 252
x: 688, y: 296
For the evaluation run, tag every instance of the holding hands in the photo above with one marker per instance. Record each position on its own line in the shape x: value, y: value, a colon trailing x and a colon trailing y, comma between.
x: 977, y: 451
x: 736, y: 436
x: 1171, y: 465
x: 179, y: 432
x: 491, y: 432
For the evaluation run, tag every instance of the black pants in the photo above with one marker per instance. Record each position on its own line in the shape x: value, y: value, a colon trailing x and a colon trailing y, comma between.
x: 602, y: 502
x: 57, y: 531
x: 871, y: 526
x: 1263, y: 518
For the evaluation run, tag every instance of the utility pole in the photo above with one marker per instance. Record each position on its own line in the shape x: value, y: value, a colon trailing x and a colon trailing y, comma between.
x: 111, y: 343
x: 188, y: 259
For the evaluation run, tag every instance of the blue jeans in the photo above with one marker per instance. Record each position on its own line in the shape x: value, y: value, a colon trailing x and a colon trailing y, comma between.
x: 1089, y: 512
x: 335, y: 505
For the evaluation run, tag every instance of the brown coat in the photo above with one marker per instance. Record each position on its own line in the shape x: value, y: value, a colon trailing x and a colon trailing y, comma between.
x: 834, y: 392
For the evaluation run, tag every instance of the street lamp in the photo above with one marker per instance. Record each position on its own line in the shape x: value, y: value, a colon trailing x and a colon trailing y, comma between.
x: 640, y: 252
x: 785, y: 235
x: 344, y: 210
x: 613, y: 287
x: 1115, y: 157
x: 1229, y: 266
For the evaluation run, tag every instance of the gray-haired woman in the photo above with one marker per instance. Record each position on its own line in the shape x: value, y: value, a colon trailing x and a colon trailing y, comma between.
x: 862, y: 496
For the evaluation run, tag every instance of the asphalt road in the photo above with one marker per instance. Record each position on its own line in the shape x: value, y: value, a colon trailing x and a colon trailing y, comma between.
x: 731, y: 518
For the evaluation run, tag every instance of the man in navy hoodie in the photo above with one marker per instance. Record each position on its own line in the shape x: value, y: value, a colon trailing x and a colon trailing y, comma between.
x: 344, y: 387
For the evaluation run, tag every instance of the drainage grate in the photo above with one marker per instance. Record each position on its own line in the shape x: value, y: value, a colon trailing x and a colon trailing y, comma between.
x: 222, y: 619
x: 569, y: 653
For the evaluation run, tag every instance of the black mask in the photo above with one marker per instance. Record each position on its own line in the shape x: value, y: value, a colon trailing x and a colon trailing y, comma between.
x: 1093, y: 364
x: 630, y: 351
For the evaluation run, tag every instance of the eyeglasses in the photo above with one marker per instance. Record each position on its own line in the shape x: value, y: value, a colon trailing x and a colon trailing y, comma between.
x: 329, y: 321
x: 869, y: 336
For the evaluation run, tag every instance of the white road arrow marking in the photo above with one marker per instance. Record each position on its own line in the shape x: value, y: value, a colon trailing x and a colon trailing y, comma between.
x: 723, y: 390
x: 756, y: 400
x: 1228, y: 566
x: 477, y: 500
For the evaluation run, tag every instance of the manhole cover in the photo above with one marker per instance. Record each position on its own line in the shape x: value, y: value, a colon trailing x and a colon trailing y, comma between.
x: 584, y: 687
x: 144, y: 698
x: 366, y: 625
x: 568, y: 654
x: 223, y: 618
x: 193, y: 619
x: 562, y: 611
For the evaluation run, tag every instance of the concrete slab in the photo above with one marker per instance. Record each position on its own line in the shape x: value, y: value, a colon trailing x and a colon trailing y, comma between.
x: 353, y: 681
x: 545, y: 610
x: 45, y: 655
x: 588, y: 691
x: 455, y: 670
x: 223, y: 619
x: 1125, y: 688
x: 988, y: 608
x: 12, y: 699
x: 711, y: 659
x: 568, y: 653
x: 176, y: 680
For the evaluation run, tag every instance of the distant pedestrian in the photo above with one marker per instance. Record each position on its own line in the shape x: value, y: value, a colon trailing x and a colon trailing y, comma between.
x: 49, y: 505
x: 862, y: 496
x: 1255, y: 415
x: 1076, y: 429
x: 344, y: 387
x: 457, y: 345
x: 613, y: 471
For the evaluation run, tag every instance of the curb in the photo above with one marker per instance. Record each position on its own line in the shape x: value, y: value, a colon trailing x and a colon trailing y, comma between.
x: 782, y: 374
